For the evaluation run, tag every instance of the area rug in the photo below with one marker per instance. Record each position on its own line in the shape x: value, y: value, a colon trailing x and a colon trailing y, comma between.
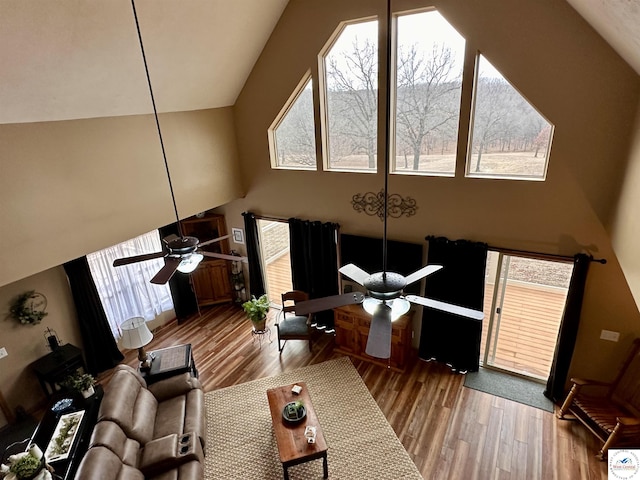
x: 510, y: 387
x: 361, y: 443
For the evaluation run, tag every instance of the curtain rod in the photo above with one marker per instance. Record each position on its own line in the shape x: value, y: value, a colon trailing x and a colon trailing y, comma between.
x: 541, y: 256
x: 270, y: 218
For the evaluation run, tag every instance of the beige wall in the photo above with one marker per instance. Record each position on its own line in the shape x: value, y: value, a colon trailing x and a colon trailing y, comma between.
x: 70, y: 188
x: 556, y: 60
x: 625, y: 230
x: 27, y: 343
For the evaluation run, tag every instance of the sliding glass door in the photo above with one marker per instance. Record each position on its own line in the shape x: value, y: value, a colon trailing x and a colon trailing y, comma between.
x: 524, y: 302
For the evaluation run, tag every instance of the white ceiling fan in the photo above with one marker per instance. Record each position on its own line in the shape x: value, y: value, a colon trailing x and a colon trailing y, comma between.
x: 385, y: 300
x: 180, y: 252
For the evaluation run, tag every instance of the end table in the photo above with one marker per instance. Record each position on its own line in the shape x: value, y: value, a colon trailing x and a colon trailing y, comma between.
x: 170, y: 361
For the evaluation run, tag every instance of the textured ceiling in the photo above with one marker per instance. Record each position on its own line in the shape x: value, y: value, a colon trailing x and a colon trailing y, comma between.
x: 68, y: 59
x: 618, y: 22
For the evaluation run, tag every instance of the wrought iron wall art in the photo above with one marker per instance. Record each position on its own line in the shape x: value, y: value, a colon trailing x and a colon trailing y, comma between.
x: 373, y: 204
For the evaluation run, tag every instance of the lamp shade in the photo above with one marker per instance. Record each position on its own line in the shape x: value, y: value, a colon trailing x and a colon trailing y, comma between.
x: 135, y: 333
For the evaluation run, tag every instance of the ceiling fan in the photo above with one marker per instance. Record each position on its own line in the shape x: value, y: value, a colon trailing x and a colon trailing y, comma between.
x: 180, y: 252
x: 385, y: 300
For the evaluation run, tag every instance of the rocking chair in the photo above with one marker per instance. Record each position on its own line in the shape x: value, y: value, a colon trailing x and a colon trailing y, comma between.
x: 611, y: 411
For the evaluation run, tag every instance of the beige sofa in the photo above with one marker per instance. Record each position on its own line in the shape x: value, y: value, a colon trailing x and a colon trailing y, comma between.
x: 147, y: 432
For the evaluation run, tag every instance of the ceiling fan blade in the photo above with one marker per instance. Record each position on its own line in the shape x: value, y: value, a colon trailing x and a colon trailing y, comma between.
x: 137, y: 258
x: 447, y: 307
x: 355, y: 273
x: 166, y: 272
x: 379, y: 340
x: 224, y: 256
x: 209, y: 242
x: 327, y: 303
x: 423, y: 272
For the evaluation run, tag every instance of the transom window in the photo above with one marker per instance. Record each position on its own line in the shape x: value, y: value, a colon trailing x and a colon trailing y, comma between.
x: 429, y: 64
x: 509, y: 138
x: 350, y: 107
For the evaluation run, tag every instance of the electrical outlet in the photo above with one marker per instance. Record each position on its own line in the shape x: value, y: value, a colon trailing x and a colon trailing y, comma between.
x: 3, y: 352
x: 609, y: 335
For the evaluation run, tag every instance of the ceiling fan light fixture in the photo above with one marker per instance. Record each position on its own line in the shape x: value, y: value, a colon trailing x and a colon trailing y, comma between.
x: 399, y: 306
x: 190, y: 263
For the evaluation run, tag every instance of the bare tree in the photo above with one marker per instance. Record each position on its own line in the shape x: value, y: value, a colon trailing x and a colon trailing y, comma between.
x: 353, y: 93
x: 428, y: 96
x: 295, y: 136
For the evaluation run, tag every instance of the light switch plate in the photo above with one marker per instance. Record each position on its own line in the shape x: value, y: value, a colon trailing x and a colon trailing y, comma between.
x: 3, y: 352
x: 609, y: 335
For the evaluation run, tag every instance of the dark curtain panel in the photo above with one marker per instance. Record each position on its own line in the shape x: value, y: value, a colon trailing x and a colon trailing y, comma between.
x: 314, y: 262
x: 252, y: 239
x: 100, y: 349
x: 445, y: 337
x: 184, y: 298
x: 568, y: 329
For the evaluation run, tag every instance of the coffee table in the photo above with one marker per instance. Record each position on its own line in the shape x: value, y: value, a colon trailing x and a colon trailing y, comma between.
x: 292, y: 444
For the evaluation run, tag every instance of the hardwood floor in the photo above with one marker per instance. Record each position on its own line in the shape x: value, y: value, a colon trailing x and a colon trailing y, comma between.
x: 450, y: 431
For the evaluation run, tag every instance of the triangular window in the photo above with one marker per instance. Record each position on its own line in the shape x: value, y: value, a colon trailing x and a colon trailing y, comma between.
x: 509, y: 137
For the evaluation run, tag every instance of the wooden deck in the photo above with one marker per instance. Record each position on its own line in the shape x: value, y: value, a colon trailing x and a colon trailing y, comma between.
x: 528, y: 326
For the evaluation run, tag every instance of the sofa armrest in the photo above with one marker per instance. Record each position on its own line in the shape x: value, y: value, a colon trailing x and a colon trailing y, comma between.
x: 170, y: 452
x: 174, y: 386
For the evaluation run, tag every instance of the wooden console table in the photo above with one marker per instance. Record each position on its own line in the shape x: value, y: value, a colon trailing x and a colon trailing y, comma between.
x: 352, y: 330
x: 54, y: 367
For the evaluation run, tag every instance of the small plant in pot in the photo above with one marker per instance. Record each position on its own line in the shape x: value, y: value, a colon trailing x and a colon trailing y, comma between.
x: 256, y: 309
x: 80, y: 382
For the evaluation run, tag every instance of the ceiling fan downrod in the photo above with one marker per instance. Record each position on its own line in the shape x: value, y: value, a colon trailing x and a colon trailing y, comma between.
x: 155, y: 115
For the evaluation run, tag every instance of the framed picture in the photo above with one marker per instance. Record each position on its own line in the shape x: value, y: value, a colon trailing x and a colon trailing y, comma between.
x: 238, y: 235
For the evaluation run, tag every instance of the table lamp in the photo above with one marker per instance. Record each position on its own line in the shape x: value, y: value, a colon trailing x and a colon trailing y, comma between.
x: 136, y: 334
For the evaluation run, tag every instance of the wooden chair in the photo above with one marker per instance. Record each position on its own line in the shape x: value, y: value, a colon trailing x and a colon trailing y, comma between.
x: 611, y: 411
x: 289, y: 325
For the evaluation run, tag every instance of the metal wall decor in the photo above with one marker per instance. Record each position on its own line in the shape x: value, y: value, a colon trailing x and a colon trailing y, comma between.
x: 373, y: 204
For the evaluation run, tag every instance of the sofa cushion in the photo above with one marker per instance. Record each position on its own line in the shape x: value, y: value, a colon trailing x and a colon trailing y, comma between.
x: 129, y: 404
x: 108, y: 434
x: 100, y: 463
x: 189, y: 471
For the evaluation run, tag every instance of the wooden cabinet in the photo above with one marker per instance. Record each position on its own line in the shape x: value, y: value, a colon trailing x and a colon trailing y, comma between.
x: 210, y: 280
x: 352, y: 330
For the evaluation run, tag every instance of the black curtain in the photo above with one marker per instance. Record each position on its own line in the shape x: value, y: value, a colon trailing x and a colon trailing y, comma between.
x: 252, y: 239
x: 184, y: 298
x: 314, y: 262
x: 568, y: 329
x: 100, y: 349
x: 446, y: 337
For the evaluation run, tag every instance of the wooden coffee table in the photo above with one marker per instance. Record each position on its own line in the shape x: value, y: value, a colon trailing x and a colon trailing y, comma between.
x: 292, y: 444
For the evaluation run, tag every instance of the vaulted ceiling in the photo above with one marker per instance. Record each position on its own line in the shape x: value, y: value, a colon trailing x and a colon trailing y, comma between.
x: 73, y: 59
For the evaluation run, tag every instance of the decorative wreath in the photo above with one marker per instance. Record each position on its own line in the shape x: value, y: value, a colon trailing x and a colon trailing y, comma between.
x: 29, y: 308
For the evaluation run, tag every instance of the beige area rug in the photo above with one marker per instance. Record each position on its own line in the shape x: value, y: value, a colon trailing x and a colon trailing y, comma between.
x: 362, y: 444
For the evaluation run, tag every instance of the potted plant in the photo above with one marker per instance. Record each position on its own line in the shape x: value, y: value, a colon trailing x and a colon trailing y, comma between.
x: 80, y: 382
x: 23, y: 466
x: 256, y: 309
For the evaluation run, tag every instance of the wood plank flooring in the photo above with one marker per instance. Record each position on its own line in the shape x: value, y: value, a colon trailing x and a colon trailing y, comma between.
x: 451, y: 432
